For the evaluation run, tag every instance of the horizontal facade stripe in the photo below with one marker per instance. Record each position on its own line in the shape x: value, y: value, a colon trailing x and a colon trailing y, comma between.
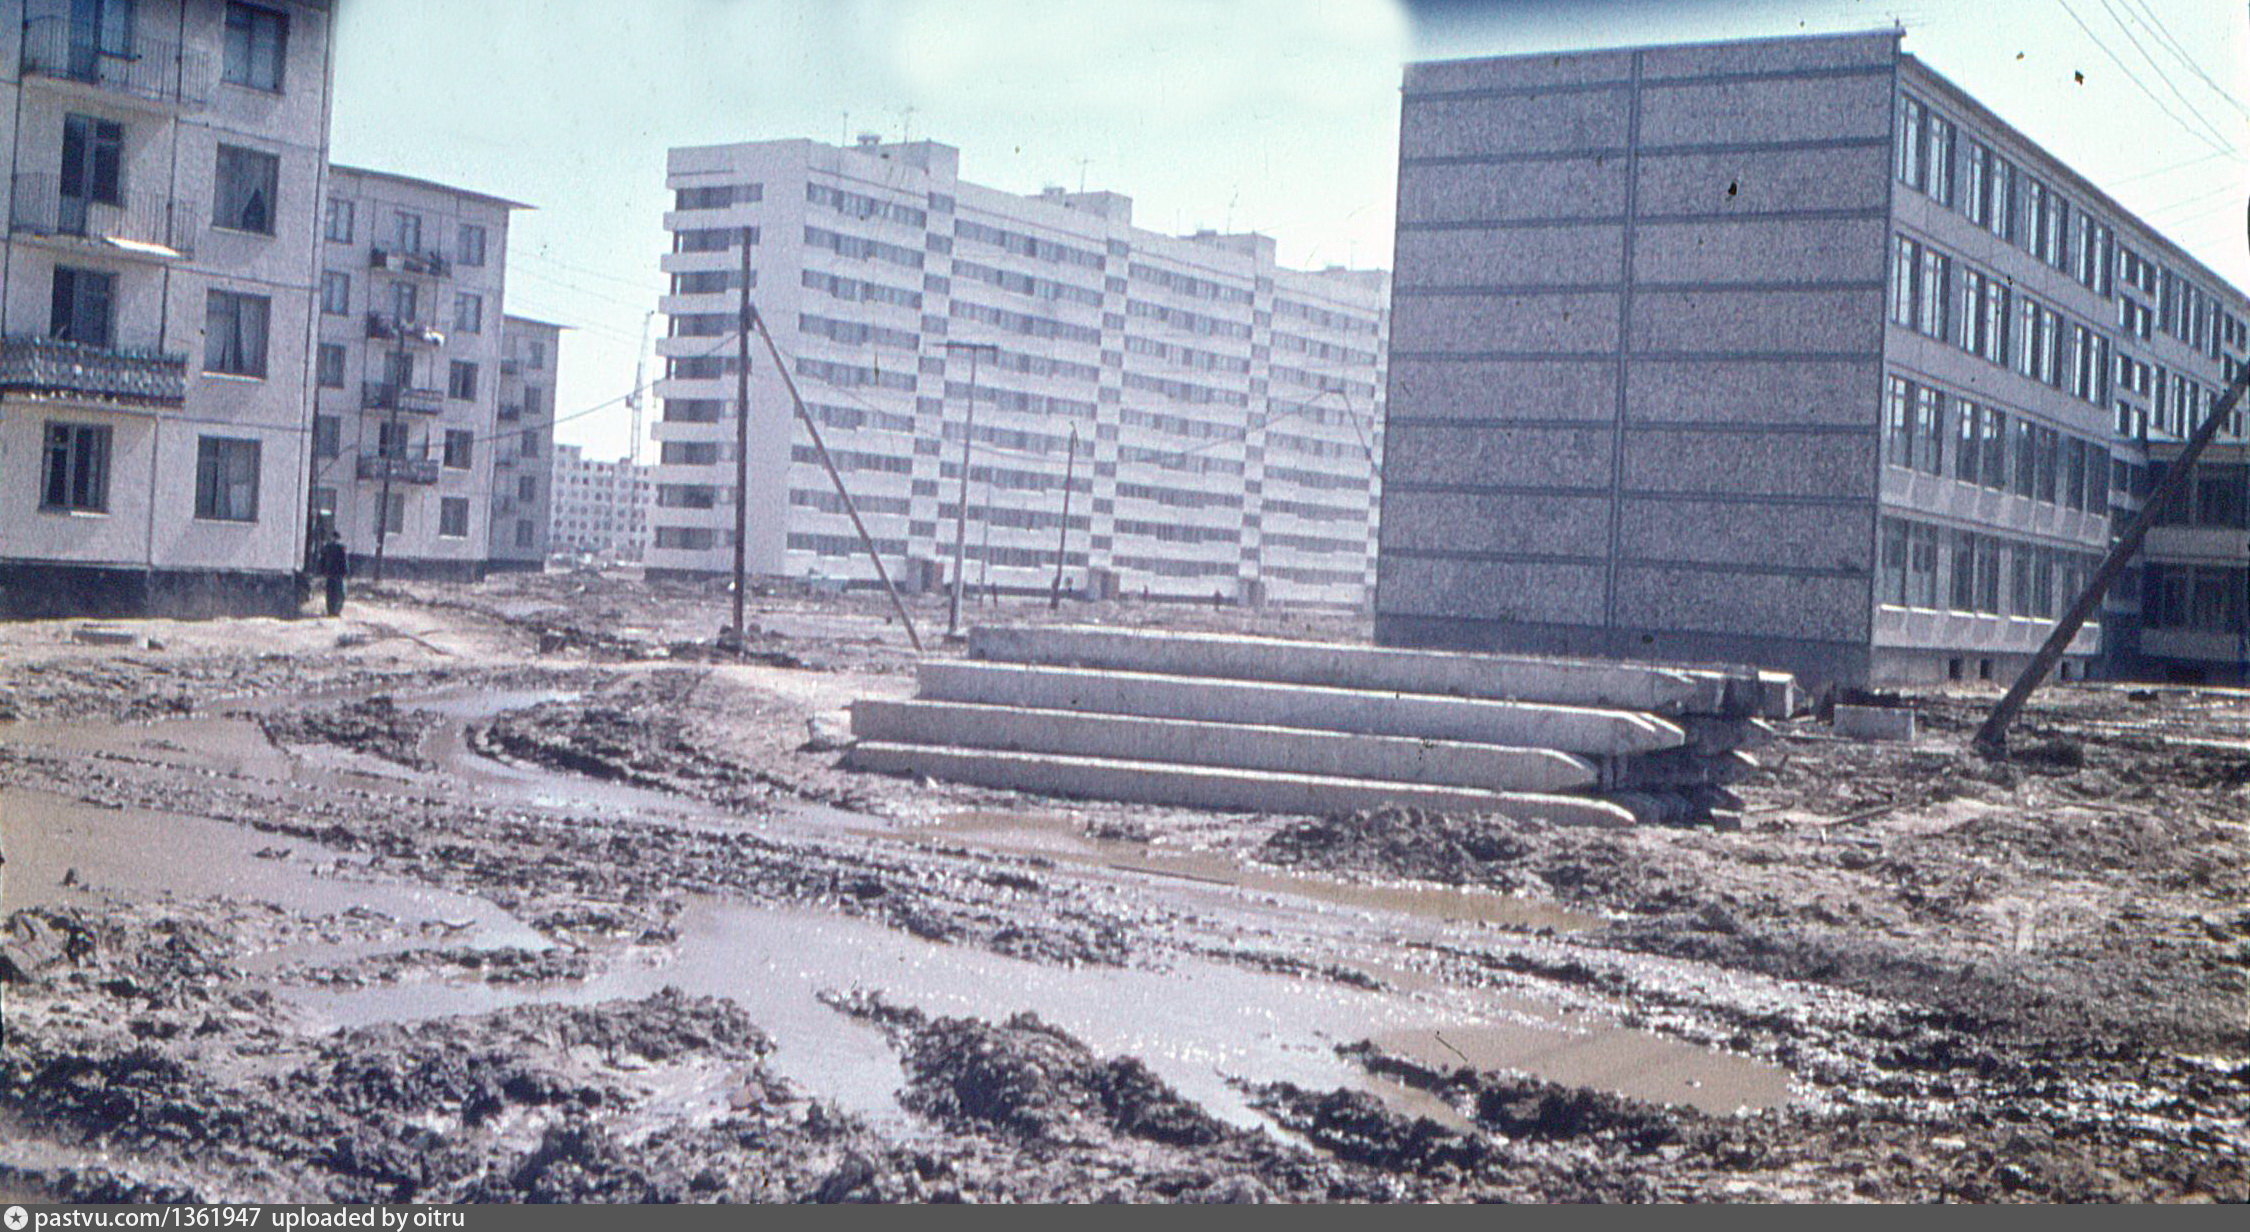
x: 1646, y: 151
x: 1617, y: 83
x: 1518, y: 224
x: 1407, y: 487
x: 1611, y: 353
x: 1685, y: 566
x: 1700, y: 217
x: 1597, y: 288
x: 1790, y: 428
x: 1409, y: 620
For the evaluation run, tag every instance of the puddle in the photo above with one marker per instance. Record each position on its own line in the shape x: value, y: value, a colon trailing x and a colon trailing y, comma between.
x: 1632, y: 1063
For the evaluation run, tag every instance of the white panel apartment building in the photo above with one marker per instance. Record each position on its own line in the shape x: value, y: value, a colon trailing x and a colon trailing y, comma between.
x: 408, y: 372
x: 165, y: 161
x: 601, y: 508
x: 522, y: 479
x: 1227, y: 411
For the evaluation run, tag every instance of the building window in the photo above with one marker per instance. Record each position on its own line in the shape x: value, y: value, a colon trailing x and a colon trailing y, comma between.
x: 471, y: 248
x: 407, y: 232
x: 77, y: 468
x: 461, y: 381
x: 324, y: 504
x: 243, y: 190
x: 453, y: 517
x: 92, y: 153
x: 531, y: 442
x: 80, y: 307
x: 257, y: 42
x: 327, y: 436
x: 460, y: 448
x: 523, y: 533
x: 527, y: 488
x: 393, y: 440
x: 390, y: 515
x: 339, y: 220
x: 406, y: 303
x: 329, y: 367
x: 234, y: 333
x: 336, y: 293
x: 468, y: 313
x: 226, y: 479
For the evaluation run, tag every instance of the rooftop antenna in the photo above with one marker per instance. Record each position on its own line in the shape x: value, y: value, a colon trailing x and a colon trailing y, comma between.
x: 846, y: 139
x: 906, y: 124
x: 1082, y: 173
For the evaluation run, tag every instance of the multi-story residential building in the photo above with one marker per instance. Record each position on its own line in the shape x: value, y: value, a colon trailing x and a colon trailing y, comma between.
x: 601, y: 508
x: 1785, y: 351
x: 165, y: 167
x: 408, y: 371
x: 524, y: 462
x: 1213, y: 417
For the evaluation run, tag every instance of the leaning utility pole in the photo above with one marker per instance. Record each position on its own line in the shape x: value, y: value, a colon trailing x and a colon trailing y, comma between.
x: 742, y: 444
x: 961, y: 514
x: 1992, y: 738
x: 1062, y: 538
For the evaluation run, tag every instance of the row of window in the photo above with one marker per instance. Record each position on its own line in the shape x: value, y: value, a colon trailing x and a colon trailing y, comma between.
x: 1026, y: 284
x: 854, y: 290
x: 1022, y: 323
x: 1328, y: 351
x: 1326, y: 382
x: 718, y: 196
x: 2194, y: 598
x: 1937, y: 433
x: 1027, y: 245
x: 1192, y: 322
x: 859, y: 205
x: 1186, y: 357
x: 406, y: 232
x: 406, y: 302
x: 858, y: 333
x: 75, y: 473
x: 1326, y: 318
x: 858, y: 248
x: 1981, y: 314
x: 1925, y: 566
x: 1189, y: 285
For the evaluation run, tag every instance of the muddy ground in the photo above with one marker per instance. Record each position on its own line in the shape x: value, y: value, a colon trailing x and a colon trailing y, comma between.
x: 518, y: 892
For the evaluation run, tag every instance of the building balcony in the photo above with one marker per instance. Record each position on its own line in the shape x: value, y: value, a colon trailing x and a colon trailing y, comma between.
x: 2219, y: 545
x: 509, y: 413
x: 156, y: 225
x: 389, y: 328
x: 511, y: 367
x: 400, y: 470
x: 141, y: 68
x: 49, y: 368
x: 382, y: 396
x: 403, y: 261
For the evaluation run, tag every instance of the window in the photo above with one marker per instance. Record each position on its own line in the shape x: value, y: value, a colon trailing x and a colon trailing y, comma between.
x: 328, y: 436
x: 531, y: 442
x: 339, y: 220
x: 336, y: 293
x: 226, y: 479
x: 460, y: 448
x: 406, y: 232
x: 453, y: 517
x: 92, y: 153
x: 77, y: 468
x: 523, y: 533
x: 80, y: 307
x: 257, y: 42
x: 527, y: 487
x: 468, y: 313
x: 243, y: 190
x: 394, y: 440
x: 324, y: 504
x: 461, y: 381
x: 390, y: 516
x: 234, y: 333
x: 470, y: 251
x: 406, y: 303
x: 329, y: 367
x: 537, y: 352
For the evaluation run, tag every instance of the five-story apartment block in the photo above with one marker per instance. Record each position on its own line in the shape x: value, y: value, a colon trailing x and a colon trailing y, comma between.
x: 165, y: 161
x: 1172, y: 416
x: 525, y: 459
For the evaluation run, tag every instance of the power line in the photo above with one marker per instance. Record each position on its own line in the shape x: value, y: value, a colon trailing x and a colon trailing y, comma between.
x: 2137, y: 82
x: 2163, y: 34
x: 2110, y: 8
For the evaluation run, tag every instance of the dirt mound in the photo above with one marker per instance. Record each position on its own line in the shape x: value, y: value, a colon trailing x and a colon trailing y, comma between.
x: 374, y: 725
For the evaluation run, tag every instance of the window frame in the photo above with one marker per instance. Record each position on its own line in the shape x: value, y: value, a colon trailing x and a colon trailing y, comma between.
x: 461, y: 380
x: 239, y: 218
x: 80, y: 281
x: 216, y: 492
x: 335, y: 293
x: 81, y: 466
x: 240, y: 64
x: 453, y: 510
x: 234, y: 304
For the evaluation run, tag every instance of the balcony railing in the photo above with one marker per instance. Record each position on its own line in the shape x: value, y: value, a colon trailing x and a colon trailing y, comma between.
x: 141, y: 223
x: 510, y: 412
x: 401, y: 470
x: 384, y: 325
x: 46, y: 367
x: 142, y: 67
x: 382, y: 396
x: 511, y: 367
x: 403, y: 261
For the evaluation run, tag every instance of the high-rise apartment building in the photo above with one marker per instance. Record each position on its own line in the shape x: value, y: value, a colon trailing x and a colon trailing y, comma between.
x: 525, y: 459
x: 408, y: 372
x: 1212, y: 416
x: 1785, y: 351
x: 601, y: 508
x: 165, y: 166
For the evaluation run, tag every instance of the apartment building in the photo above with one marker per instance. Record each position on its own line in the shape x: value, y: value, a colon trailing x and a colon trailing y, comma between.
x: 601, y: 508
x: 1178, y: 417
x: 524, y: 464
x: 1784, y: 351
x: 165, y: 169
x: 407, y: 374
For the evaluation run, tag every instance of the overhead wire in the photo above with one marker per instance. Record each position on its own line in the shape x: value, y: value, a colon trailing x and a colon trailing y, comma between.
x: 2133, y: 77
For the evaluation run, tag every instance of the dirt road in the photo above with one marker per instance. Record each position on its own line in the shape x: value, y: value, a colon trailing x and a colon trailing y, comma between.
x: 516, y: 892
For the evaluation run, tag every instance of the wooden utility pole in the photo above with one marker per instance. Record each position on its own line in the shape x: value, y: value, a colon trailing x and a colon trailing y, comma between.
x: 836, y: 477
x: 1992, y: 738
x: 742, y: 446
x: 961, y: 513
x: 1062, y: 538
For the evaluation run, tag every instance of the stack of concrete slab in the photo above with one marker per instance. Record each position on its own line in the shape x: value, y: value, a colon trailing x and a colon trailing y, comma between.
x: 1224, y: 722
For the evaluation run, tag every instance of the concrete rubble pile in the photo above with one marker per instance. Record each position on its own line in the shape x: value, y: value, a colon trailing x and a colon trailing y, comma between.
x: 1223, y: 722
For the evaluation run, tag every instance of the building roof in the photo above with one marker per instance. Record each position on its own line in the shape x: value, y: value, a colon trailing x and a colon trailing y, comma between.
x: 396, y: 178
x: 520, y: 319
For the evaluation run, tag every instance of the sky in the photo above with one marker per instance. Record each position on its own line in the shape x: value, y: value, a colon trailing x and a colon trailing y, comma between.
x: 1278, y: 116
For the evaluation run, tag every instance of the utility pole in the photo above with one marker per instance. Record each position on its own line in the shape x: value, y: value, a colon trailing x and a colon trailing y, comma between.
x: 397, y: 389
x: 1062, y: 538
x: 742, y: 445
x: 961, y: 514
x: 640, y: 389
x: 1992, y: 738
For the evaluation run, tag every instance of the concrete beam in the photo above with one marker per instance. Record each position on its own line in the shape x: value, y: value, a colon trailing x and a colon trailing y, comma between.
x: 1570, y: 729
x: 1208, y: 787
x: 1570, y: 682
x: 1241, y: 746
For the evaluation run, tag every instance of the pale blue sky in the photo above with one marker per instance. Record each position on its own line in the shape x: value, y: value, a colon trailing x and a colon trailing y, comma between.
x: 1274, y: 115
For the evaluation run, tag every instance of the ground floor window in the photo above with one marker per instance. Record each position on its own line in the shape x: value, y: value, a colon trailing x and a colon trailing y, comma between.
x: 77, y: 468
x: 390, y: 515
x: 226, y: 479
x: 453, y: 517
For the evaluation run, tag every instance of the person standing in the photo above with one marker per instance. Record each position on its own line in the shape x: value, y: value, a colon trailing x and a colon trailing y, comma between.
x: 335, y: 565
